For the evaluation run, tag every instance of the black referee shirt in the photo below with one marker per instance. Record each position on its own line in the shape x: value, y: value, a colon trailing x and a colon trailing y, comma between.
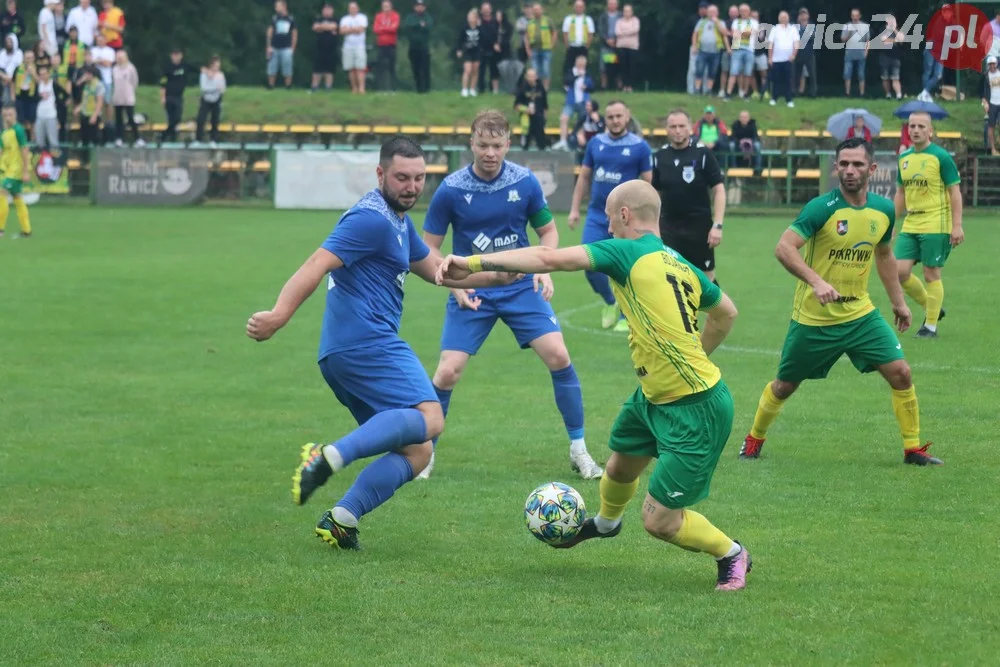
x: 684, y: 179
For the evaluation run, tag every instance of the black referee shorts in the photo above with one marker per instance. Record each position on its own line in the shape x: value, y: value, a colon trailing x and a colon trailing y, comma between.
x: 692, y: 245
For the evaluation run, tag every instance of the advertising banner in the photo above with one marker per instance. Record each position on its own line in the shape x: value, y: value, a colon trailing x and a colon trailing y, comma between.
x: 150, y: 177
x: 327, y: 180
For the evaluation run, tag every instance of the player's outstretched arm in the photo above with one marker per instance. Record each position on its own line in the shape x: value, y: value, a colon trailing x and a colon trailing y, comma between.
x: 787, y: 253
x: 885, y: 264
x: 536, y: 259
x: 428, y: 269
x: 718, y: 323
x: 299, y: 287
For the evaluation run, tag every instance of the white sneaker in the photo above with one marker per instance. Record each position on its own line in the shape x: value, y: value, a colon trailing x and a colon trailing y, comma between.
x: 791, y: 105
x: 473, y: 92
x: 119, y: 143
x: 140, y: 142
x: 722, y: 94
x: 560, y: 145
x: 772, y: 103
x: 426, y: 472
x: 465, y: 92
x: 585, y: 465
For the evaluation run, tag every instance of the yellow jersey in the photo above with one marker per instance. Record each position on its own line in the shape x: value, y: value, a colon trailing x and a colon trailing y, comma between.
x: 660, y: 294
x: 12, y: 141
x: 925, y: 177
x: 840, y: 247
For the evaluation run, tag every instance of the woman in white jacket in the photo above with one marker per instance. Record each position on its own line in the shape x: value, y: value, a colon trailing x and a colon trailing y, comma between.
x: 11, y: 58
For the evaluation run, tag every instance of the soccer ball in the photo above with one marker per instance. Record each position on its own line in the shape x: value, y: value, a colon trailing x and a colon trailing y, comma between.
x: 554, y: 512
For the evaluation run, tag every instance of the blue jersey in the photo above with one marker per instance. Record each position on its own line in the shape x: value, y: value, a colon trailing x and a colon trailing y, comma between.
x: 364, y: 298
x: 612, y: 162
x: 487, y: 216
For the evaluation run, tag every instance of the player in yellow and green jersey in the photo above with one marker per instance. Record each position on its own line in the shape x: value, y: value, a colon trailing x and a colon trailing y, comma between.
x: 682, y: 412
x: 15, y: 170
x: 844, y: 233
x: 927, y: 188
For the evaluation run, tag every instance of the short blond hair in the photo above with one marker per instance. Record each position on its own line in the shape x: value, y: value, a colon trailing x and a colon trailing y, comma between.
x: 491, y: 122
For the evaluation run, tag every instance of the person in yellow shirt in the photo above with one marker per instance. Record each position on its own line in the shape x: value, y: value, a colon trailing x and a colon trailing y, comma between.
x: 844, y: 232
x: 682, y: 412
x: 15, y: 170
x: 539, y: 38
x: 927, y: 188
x: 111, y: 22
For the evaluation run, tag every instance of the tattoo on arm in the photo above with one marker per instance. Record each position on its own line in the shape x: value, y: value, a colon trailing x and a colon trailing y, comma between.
x: 493, y: 266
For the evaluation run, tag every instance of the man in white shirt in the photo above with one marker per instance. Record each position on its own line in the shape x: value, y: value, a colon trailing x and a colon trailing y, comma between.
x: 742, y: 29
x: 353, y: 26
x: 991, y: 101
x: 46, y: 116
x: 855, y: 36
x: 782, y: 47
x: 84, y: 17
x: 47, y: 27
x: 578, y: 31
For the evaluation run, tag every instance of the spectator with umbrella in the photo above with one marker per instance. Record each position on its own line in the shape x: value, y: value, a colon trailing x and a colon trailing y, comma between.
x: 915, y: 106
x: 846, y: 123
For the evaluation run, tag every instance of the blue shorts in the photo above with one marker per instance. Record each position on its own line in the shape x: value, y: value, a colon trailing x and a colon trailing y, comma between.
x: 280, y: 60
x: 541, y: 60
x: 595, y: 229
x: 854, y: 65
x: 528, y: 315
x: 742, y: 63
x: 375, y: 379
x: 571, y: 108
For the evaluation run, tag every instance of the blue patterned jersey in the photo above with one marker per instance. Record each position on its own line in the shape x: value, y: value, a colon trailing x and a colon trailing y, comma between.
x: 364, y: 298
x: 486, y: 216
x: 612, y: 162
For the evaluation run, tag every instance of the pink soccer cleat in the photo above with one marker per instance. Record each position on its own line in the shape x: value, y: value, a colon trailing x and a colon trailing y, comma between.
x: 733, y: 571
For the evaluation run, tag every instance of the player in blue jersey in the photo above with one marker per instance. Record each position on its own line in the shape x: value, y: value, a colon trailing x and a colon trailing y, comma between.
x: 370, y: 369
x: 489, y: 206
x: 611, y: 158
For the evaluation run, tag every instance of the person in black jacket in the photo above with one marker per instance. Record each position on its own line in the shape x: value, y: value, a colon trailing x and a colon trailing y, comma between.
x: 532, y: 101
x: 745, y: 140
x: 469, y: 52
x: 172, y: 84
x: 489, y: 49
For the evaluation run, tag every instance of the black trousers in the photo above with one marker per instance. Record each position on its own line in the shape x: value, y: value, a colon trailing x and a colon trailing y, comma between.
x: 89, y: 133
x: 387, y: 68
x: 628, y: 61
x: 489, y: 69
x: 806, y: 60
x: 420, y: 62
x: 175, y: 109
x: 536, y: 131
x: 206, y: 109
x: 62, y: 114
x: 120, y: 114
x: 781, y: 81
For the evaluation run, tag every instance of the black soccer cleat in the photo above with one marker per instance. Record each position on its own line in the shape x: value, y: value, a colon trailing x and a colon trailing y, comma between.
x: 588, y: 531
x: 920, y: 457
x: 336, y: 535
x: 926, y: 333
x: 312, y: 473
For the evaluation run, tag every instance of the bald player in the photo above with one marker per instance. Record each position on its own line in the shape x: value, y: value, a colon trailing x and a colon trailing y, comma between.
x: 927, y: 188
x: 682, y: 412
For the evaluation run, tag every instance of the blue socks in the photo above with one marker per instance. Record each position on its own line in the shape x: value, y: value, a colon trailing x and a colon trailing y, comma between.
x: 602, y: 285
x: 384, y: 432
x: 444, y: 396
x: 376, y: 483
x: 569, y: 400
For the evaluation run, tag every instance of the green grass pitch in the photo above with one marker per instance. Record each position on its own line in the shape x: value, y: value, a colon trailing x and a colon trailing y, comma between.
x: 147, y: 447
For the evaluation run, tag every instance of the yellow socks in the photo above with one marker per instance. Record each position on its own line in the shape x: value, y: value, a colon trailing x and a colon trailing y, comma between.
x: 904, y: 404
x: 913, y: 287
x: 614, y: 498
x: 22, y: 215
x: 767, y: 411
x: 4, y: 211
x: 935, y: 297
x: 698, y: 534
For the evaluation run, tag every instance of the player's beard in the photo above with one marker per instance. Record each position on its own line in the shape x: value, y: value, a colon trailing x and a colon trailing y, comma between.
x: 860, y: 184
x: 396, y: 204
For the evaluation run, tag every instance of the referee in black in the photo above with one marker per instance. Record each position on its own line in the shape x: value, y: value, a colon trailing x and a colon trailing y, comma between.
x: 685, y: 174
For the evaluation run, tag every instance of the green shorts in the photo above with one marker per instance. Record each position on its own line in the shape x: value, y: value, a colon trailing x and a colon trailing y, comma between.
x: 12, y: 185
x: 686, y: 436
x: 810, y: 352
x: 931, y: 250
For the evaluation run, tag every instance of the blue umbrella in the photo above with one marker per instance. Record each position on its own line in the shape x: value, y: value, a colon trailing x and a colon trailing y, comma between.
x: 914, y: 106
x: 839, y: 123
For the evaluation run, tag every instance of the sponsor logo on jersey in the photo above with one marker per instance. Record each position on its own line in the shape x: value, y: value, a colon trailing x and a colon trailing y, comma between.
x: 641, y: 371
x: 855, y: 254
x: 688, y: 174
x: 842, y: 227
x: 485, y: 244
x: 604, y: 176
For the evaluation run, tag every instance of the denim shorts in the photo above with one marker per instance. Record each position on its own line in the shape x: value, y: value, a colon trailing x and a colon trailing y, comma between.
x: 281, y: 59
x: 541, y: 60
x: 741, y: 63
x: 707, y: 65
x: 854, y: 66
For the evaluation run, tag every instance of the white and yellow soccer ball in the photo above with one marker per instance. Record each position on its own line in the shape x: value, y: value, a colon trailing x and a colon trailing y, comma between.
x: 554, y: 512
